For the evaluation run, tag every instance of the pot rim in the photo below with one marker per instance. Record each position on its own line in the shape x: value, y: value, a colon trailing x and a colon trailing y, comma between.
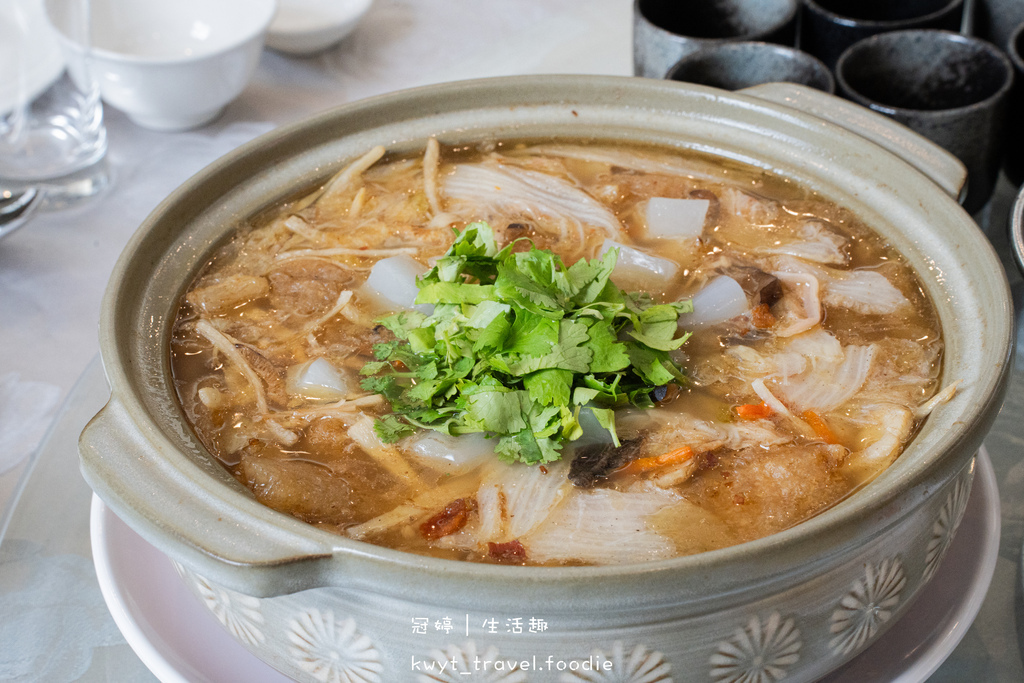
x: 322, y: 558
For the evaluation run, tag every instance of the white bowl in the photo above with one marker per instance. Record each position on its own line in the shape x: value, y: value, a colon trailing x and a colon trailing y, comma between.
x: 305, y: 27
x: 171, y: 65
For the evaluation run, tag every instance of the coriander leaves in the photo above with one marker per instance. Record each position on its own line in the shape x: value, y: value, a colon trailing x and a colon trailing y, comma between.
x: 517, y: 344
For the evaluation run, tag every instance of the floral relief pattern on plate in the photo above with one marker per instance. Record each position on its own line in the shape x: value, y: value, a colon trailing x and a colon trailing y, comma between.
x: 238, y: 613
x: 869, y: 603
x: 946, y: 525
x: 331, y: 651
x: 761, y: 652
x: 456, y: 663
x: 639, y: 665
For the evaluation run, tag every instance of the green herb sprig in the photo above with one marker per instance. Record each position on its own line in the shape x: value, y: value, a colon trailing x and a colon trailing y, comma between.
x: 517, y: 344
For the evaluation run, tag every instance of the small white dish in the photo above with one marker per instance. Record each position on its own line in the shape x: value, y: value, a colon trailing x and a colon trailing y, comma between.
x: 912, y: 650
x: 171, y: 65
x: 305, y: 27
x: 181, y: 641
x: 166, y: 626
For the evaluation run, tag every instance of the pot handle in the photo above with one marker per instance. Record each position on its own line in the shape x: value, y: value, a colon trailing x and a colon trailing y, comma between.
x: 943, y: 168
x: 218, y: 530
x: 1017, y: 229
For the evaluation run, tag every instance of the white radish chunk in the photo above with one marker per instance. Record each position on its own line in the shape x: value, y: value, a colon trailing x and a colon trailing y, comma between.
x: 316, y: 379
x: 636, y: 269
x: 392, y: 283
x: 676, y: 218
x: 721, y: 299
x: 453, y: 454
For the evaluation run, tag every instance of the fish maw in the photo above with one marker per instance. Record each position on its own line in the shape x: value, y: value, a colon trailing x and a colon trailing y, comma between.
x: 307, y: 490
x: 228, y: 293
x: 759, y: 493
x: 306, y: 287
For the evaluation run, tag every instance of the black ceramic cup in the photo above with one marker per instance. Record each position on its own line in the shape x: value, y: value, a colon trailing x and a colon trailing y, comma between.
x: 995, y: 20
x: 1013, y: 166
x: 828, y: 27
x: 950, y: 88
x: 666, y: 30
x: 734, y: 66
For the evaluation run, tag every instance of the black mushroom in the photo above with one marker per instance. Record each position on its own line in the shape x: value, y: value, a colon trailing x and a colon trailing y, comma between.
x: 759, y: 286
x: 666, y: 393
x: 714, y: 205
x: 598, y: 461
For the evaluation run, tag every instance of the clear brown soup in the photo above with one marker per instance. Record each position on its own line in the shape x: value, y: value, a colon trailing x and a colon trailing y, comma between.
x: 793, y: 403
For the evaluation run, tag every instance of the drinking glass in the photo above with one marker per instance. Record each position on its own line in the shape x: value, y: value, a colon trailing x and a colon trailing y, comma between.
x: 52, y: 136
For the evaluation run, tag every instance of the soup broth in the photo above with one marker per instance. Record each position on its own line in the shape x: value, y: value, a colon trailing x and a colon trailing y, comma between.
x: 813, y: 355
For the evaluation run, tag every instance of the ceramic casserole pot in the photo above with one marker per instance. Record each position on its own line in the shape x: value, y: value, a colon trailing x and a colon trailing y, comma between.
x: 791, y: 606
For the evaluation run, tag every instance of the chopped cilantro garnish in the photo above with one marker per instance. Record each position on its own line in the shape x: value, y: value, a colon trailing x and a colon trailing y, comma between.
x: 389, y: 428
x: 516, y: 344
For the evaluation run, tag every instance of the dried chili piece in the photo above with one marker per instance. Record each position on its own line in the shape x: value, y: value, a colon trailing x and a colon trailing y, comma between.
x: 762, y: 317
x: 448, y: 521
x: 511, y: 552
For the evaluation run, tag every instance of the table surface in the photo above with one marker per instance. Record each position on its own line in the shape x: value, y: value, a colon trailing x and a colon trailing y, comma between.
x: 54, y: 625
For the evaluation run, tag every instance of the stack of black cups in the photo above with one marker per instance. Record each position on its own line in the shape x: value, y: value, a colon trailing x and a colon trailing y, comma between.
x: 941, y: 70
